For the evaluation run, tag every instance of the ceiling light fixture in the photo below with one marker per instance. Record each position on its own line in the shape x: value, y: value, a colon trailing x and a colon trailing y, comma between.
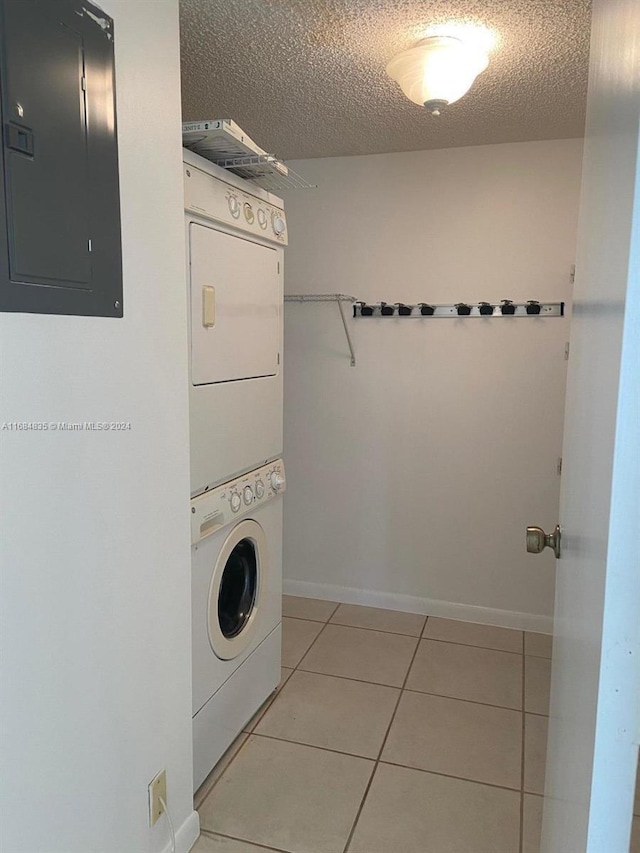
x: 438, y: 71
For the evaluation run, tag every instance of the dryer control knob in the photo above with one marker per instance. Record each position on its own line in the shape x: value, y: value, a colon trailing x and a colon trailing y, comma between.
x: 247, y: 494
x: 234, y: 206
x: 259, y: 489
x: 248, y: 213
x: 278, y: 224
x: 277, y: 481
x: 262, y: 218
x: 235, y: 501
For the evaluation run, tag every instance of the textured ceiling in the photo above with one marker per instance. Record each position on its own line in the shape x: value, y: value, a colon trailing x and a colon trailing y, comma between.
x: 306, y: 78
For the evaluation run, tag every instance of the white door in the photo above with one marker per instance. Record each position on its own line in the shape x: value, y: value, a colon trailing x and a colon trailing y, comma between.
x: 595, y: 696
x: 235, y: 307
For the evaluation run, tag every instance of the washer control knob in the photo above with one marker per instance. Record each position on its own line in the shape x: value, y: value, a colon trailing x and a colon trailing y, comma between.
x: 248, y: 213
x: 262, y: 218
x: 247, y: 494
x: 277, y: 481
x: 259, y: 489
x: 235, y: 501
x: 278, y: 225
x: 234, y: 206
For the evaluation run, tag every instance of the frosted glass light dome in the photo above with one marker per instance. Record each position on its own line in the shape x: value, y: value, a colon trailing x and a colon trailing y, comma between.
x: 438, y: 71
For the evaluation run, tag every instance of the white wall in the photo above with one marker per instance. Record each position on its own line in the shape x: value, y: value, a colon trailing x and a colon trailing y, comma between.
x: 96, y: 681
x: 412, y: 476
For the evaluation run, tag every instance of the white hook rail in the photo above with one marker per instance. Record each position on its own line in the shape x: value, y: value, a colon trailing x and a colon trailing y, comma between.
x: 424, y: 310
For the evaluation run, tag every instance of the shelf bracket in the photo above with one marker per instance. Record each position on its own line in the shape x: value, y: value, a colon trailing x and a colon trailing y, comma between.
x: 346, y: 331
x: 340, y: 298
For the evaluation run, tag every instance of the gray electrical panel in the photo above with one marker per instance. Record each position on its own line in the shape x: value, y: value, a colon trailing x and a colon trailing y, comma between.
x: 60, y: 207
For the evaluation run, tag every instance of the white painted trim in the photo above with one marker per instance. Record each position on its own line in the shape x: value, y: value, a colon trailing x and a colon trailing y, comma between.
x: 186, y: 835
x: 424, y: 606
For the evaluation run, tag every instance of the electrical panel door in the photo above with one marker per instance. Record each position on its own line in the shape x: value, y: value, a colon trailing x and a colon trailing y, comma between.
x: 60, y: 211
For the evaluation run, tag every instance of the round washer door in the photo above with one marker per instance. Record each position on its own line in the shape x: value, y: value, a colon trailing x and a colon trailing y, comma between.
x: 234, y: 594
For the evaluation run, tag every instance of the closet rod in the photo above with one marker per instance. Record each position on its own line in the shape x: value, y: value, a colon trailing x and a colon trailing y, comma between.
x: 338, y: 298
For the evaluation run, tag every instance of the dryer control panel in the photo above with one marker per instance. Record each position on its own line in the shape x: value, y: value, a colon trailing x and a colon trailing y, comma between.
x: 224, y: 504
x: 206, y: 195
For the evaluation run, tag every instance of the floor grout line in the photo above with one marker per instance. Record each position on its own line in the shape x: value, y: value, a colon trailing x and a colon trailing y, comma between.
x: 268, y: 702
x: 349, y: 678
x: 408, y: 689
x: 303, y: 619
x: 315, y: 746
x: 470, y: 646
x: 313, y: 642
x: 377, y: 630
x: 227, y: 766
x: 337, y: 607
x: 257, y: 844
x: 451, y: 776
x: 382, y: 746
x: 306, y: 598
x: 383, y: 630
x: 461, y: 699
x: 309, y: 619
x: 358, y: 628
x: 419, y: 636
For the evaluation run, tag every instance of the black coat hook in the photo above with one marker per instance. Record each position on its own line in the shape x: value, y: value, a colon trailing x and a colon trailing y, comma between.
x: 426, y: 310
x: 387, y: 310
x: 365, y: 310
x: 404, y: 310
x: 486, y: 309
x: 463, y: 309
x: 533, y: 306
x: 507, y: 306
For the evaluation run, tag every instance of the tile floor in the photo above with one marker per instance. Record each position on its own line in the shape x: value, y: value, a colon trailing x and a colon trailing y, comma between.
x: 390, y: 733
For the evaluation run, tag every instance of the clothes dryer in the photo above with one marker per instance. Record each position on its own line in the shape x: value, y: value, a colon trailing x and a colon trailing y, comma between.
x: 236, y: 607
x: 235, y: 234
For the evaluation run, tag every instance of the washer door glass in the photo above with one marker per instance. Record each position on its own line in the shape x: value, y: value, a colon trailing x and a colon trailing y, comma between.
x: 238, y: 581
x: 238, y: 588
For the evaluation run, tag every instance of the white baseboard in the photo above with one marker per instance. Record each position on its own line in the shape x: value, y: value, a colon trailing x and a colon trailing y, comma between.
x: 424, y: 606
x: 186, y: 835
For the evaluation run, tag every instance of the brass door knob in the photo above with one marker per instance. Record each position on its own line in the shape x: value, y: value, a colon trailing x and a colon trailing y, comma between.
x: 538, y: 540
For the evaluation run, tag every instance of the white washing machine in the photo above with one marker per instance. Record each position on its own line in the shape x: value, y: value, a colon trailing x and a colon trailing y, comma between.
x: 235, y: 237
x: 236, y: 535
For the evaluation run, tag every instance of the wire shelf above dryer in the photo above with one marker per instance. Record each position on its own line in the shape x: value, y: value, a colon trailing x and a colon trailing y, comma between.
x: 267, y: 171
x: 224, y: 143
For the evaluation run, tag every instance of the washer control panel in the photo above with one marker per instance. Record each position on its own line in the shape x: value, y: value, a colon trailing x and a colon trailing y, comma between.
x: 209, y: 196
x: 222, y: 505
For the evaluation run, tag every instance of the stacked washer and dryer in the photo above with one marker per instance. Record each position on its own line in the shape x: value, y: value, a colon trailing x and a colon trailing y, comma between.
x: 235, y: 236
